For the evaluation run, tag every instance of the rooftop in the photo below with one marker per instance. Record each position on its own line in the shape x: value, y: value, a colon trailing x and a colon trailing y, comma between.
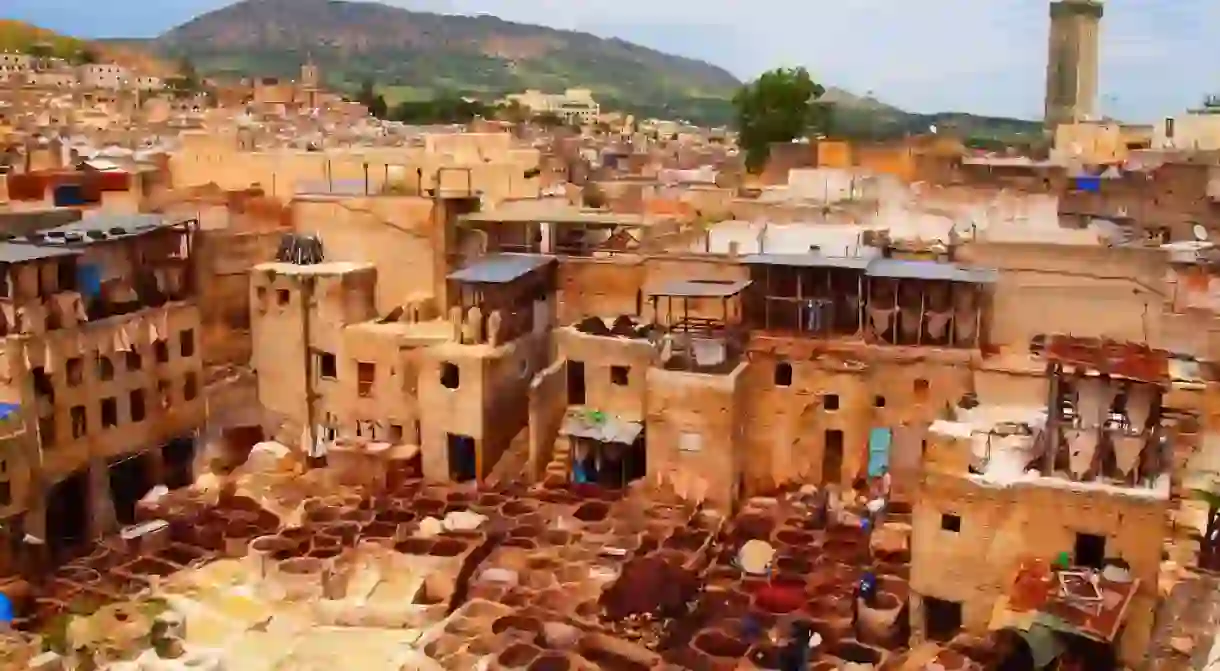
x: 501, y: 268
x: 99, y: 228
x: 699, y: 288
x: 526, y: 211
x: 324, y: 268
x: 16, y: 252
x: 1133, y: 361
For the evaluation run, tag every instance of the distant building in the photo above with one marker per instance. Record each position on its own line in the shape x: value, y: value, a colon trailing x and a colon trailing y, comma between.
x: 1071, y: 69
x: 573, y: 105
x: 104, y: 76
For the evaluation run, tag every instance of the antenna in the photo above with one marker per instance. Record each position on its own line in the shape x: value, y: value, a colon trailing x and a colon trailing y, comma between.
x: 1200, y: 232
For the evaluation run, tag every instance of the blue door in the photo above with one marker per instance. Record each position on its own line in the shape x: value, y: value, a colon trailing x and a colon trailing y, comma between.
x: 879, y: 451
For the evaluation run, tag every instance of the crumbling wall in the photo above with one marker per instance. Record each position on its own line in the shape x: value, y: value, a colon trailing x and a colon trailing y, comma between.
x: 601, y: 355
x: 694, y: 427
x: 1088, y: 291
x: 606, y: 287
x: 840, y: 398
x: 1001, y: 525
x: 392, y: 233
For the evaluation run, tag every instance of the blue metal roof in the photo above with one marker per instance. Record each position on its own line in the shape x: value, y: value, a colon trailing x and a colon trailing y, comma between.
x: 8, y: 410
x: 501, y: 268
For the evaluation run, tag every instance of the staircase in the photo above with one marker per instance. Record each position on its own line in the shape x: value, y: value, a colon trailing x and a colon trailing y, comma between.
x: 513, y: 463
x: 560, y: 466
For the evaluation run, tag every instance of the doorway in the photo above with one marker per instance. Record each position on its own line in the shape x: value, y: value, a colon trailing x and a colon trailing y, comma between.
x: 613, y: 465
x: 576, y: 383
x: 942, y: 619
x: 463, y: 458
x: 832, y: 457
x: 179, y: 457
x: 129, y: 482
x: 68, y: 514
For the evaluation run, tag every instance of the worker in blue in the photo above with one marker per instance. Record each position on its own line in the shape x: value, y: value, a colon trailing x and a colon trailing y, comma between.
x: 866, y: 591
x: 6, y: 612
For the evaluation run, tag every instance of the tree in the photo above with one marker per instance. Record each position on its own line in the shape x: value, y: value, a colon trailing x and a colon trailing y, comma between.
x: 86, y: 56
x: 370, y: 98
x: 779, y: 106
x: 548, y: 120
x: 40, y: 50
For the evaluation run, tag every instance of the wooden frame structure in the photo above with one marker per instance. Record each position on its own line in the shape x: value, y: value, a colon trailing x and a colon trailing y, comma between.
x: 1104, y: 403
x: 683, y: 328
x: 562, y: 233
x: 508, y: 284
x: 921, y: 303
x: 806, y: 294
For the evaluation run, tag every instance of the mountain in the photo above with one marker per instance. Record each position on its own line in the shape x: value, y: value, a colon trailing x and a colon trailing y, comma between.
x: 19, y: 36
x: 419, y: 54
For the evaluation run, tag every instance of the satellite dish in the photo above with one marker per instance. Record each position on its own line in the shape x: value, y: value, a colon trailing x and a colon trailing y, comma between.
x: 1200, y: 232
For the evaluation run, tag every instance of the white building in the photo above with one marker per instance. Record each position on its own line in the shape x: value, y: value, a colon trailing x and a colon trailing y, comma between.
x: 104, y: 76
x: 573, y: 106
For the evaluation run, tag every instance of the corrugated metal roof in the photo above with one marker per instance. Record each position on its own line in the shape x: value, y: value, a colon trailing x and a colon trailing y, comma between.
x: 699, y: 288
x: 601, y: 427
x: 501, y: 268
x: 807, y: 261
x: 15, y: 252
x: 914, y: 269
x: 101, y: 228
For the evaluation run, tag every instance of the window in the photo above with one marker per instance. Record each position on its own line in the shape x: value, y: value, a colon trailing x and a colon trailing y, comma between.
x: 281, y: 296
x: 830, y: 402
x: 42, y: 383
x: 190, y: 388
x: 76, y: 371
x: 138, y: 411
x: 366, y: 373
x: 6, y: 493
x: 186, y: 343
x: 80, y: 423
x: 878, y: 401
x: 328, y: 366
x: 109, y: 412
x: 783, y: 374
x: 133, y: 361
x: 46, y: 431
x: 451, y: 376
x: 951, y: 523
x: 1090, y: 550
x: 619, y: 375
x: 921, y: 389
x: 161, y: 351
x: 105, y: 368
x: 395, y: 436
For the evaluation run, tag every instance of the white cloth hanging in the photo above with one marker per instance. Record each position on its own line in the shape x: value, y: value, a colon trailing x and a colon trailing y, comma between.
x: 1082, y: 447
x: 1127, y: 451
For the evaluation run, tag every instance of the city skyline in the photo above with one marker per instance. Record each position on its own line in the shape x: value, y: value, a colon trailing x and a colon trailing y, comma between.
x: 1155, y: 59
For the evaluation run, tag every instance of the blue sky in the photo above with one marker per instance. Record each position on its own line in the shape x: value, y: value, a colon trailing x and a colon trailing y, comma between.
x: 982, y: 56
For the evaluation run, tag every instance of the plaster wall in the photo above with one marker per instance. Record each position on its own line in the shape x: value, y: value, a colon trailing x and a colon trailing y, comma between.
x: 789, y: 426
x: 695, y: 425
x: 600, y: 354
x: 298, y: 314
x: 397, y: 234
x: 1083, y: 290
x: 1001, y: 525
x: 489, y: 405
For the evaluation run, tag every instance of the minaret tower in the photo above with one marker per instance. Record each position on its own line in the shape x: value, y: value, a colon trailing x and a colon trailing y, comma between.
x: 311, y: 82
x: 1072, y: 64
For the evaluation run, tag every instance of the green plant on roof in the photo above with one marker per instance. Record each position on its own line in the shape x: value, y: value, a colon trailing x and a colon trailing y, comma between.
x: 1063, y: 560
x: 597, y: 417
